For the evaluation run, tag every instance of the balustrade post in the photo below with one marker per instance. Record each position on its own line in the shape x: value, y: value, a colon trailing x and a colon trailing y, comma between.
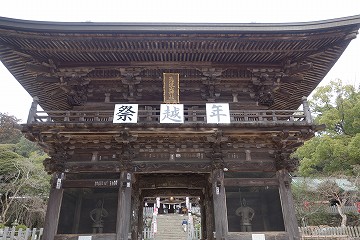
x: 82, y: 117
x: 306, y: 110
x: 274, y: 116
x: 235, y: 97
x: 32, y: 111
x: 96, y: 117
x: 193, y: 113
x: 107, y: 97
x: 148, y: 112
x: 67, y: 116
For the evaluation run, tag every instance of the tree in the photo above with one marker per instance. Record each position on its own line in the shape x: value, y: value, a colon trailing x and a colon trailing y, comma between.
x: 313, y: 195
x: 9, y: 129
x: 308, y: 205
x: 337, y: 148
x: 24, y: 185
x: 13, y: 175
x: 338, y: 196
x: 25, y: 148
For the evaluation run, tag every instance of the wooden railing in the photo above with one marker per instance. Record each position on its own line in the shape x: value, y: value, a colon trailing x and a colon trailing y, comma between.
x: 148, y: 230
x: 192, y: 114
x: 27, y: 234
x: 318, y: 232
x: 194, y: 228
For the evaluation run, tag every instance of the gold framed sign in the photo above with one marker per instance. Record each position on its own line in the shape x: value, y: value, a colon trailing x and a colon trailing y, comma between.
x: 171, y: 87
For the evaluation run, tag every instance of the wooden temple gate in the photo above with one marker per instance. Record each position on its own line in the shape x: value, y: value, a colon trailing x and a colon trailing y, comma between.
x: 238, y: 170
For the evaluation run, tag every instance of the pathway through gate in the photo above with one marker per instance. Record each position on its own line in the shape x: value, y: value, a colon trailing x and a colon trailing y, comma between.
x: 169, y: 227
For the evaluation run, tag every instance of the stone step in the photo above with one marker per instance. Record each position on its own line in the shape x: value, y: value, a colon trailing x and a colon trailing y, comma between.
x: 170, y: 228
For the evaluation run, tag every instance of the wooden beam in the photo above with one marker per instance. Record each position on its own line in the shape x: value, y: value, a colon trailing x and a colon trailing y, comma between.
x: 154, y: 65
x: 245, y: 182
x: 93, y: 183
x: 189, y: 181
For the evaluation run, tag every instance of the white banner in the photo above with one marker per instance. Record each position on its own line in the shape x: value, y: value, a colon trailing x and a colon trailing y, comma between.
x: 217, y: 113
x: 171, y: 113
x: 155, y: 225
x: 84, y: 238
x: 158, y: 202
x: 125, y: 113
x: 258, y: 236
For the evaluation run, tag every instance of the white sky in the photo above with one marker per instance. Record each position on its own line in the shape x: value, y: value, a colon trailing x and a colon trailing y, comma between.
x: 15, y: 100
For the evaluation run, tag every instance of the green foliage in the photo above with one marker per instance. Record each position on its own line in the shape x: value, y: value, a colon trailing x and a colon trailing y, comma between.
x: 337, y: 148
x: 9, y: 161
x: 9, y: 129
x: 307, y: 207
x: 21, y: 226
x: 324, y: 155
x: 24, y: 147
x: 321, y: 218
x: 312, y: 197
x: 353, y: 219
x: 24, y: 185
x: 338, y: 106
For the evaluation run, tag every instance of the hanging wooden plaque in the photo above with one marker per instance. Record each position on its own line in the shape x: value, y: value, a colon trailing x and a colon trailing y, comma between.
x: 171, y: 87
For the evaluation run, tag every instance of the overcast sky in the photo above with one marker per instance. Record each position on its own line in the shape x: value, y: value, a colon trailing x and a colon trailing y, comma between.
x: 16, y: 101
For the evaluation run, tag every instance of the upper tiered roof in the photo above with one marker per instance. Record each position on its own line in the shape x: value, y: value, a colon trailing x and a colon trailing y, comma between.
x: 71, y: 64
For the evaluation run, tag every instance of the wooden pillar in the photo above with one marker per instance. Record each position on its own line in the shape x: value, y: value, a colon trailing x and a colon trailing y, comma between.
x: 140, y: 227
x: 124, y: 206
x: 136, y: 214
x: 219, y: 199
x: 209, y: 210
x: 264, y: 211
x: 140, y: 223
x: 203, y: 217
x: 287, y: 204
x: 78, y: 205
x: 53, y: 213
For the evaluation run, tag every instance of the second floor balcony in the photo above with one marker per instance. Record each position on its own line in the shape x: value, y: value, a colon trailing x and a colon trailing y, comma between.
x: 193, y: 114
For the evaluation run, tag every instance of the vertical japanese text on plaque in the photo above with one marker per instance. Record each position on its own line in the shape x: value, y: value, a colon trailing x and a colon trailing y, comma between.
x: 171, y: 87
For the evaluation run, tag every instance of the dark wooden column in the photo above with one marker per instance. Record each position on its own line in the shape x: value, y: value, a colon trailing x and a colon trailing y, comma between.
x: 136, y: 214
x: 203, y: 216
x: 219, y: 199
x: 124, y: 206
x: 140, y: 227
x: 53, y: 212
x: 78, y: 205
x: 287, y: 204
x: 209, y: 210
